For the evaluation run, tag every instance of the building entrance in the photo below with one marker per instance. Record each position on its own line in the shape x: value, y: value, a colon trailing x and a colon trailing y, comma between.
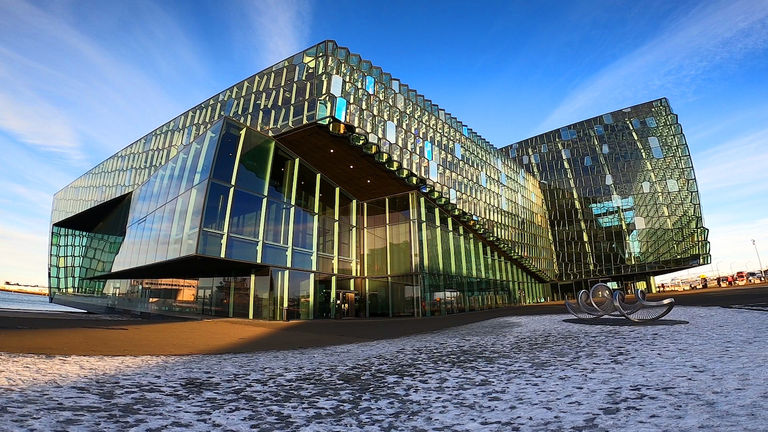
x: 345, y: 304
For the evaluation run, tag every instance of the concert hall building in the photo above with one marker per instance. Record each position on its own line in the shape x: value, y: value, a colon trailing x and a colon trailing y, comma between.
x: 322, y: 187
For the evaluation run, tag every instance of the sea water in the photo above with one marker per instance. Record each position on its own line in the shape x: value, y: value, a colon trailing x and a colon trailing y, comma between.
x: 31, y: 302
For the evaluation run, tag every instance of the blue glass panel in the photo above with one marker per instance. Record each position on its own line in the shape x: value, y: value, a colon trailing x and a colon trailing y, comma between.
x: 274, y: 255
x: 428, y: 150
x: 209, y: 139
x: 432, y: 171
x: 226, y: 153
x: 210, y: 243
x: 302, y: 260
x: 216, y: 206
x: 241, y: 249
x: 245, y: 215
x: 369, y: 84
x: 608, y: 119
x: 341, y: 109
x: 465, y: 131
x: 599, y: 130
x: 457, y: 150
x: 650, y: 121
x: 629, y: 216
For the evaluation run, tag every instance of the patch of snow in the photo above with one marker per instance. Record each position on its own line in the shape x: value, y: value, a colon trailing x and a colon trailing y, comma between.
x: 514, y: 373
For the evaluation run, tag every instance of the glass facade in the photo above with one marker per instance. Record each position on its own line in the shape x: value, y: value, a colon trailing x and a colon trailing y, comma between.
x: 621, y: 194
x: 214, y: 209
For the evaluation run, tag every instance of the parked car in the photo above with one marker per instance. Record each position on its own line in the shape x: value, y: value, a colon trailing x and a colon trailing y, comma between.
x: 722, y: 281
x: 741, y: 278
x: 755, y: 277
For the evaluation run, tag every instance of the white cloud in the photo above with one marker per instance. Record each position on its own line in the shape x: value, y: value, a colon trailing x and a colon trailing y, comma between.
x: 713, y: 33
x: 281, y: 28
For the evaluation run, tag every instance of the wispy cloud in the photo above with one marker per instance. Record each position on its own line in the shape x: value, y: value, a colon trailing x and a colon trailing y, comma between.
x: 280, y: 27
x: 733, y: 167
x: 54, y: 73
x: 688, y: 45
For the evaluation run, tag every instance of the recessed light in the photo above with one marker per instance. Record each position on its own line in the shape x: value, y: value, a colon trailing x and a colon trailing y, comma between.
x: 351, y: 166
x: 369, y: 181
x: 331, y: 150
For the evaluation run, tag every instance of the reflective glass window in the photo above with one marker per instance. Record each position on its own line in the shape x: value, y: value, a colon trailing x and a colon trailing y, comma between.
x: 399, y: 209
x: 177, y: 227
x: 299, y: 285
x: 376, y: 212
x: 275, y: 255
x: 346, y: 232
x: 202, y: 168
x: 192, y: 219
x: 325, y: 234
x: 281, y: 176
x: 306, y: 181
x: 277, y: 222
x: 210, y: 243
x: 245, y: 215
x: 341, y: 109
x: 303, y: 229
x: 400, y: 248
x: 216, y: 206
x: 227, y: 153
x: 302, y: 260
x: 242, y: 249
x: 327, y: 198
x: 346, y: 209
x: 255, y: 158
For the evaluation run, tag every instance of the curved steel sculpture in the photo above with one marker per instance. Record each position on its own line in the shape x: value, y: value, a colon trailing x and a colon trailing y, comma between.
x: 601, y: 301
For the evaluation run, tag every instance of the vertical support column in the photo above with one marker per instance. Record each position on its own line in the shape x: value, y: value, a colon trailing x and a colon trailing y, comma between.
x: 250, y: 296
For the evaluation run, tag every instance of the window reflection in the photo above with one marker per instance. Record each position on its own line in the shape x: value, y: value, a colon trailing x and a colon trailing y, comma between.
x: 277, y: 222
x: 255, y: 158
x: 281, y: 176
x: 245, y: 215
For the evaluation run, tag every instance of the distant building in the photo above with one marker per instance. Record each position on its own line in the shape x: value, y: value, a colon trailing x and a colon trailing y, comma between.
x: 322, y: 187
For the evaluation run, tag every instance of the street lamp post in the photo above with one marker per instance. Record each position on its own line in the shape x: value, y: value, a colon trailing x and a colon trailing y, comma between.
x: 758, y: 258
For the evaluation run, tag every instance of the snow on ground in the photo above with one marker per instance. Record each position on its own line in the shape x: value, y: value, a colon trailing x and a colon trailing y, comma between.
x: 702, y: 369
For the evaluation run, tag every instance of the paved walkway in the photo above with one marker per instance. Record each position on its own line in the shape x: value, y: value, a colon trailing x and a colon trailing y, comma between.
x: 66, y: 333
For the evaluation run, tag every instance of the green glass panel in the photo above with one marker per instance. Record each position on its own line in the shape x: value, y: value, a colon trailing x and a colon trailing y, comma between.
x: 255, y: 159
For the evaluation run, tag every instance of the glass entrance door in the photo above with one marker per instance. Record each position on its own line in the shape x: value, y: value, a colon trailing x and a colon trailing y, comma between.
x: 345, y: 304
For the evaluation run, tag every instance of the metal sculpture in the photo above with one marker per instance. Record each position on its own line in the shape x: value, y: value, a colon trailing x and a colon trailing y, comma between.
x: 602, y: 301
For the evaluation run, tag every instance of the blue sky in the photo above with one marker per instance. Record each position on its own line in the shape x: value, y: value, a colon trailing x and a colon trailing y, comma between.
x: 80, y: 80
